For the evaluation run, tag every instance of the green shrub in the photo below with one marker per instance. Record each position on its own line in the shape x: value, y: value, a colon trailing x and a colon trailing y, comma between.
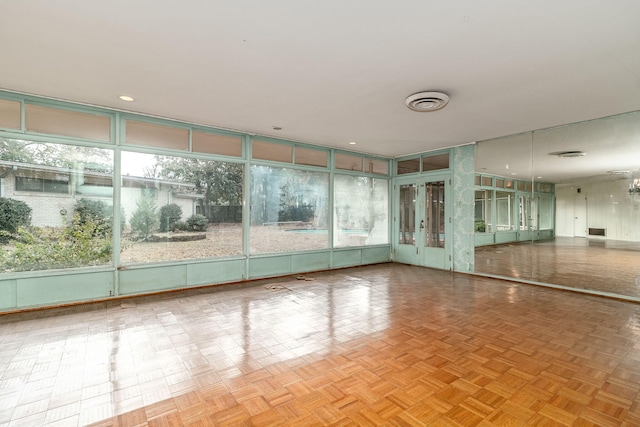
x: 144, y: 220
x: 101, y: 213
x: 197, y: 222
x: 169, y: 215
x: 13, y: 215
x: 81, y: 244
x: 180, y: 226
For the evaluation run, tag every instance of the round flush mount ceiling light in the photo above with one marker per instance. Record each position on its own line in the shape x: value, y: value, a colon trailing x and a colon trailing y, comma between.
x: 126, y: 98
x: 424, y: 102
x: 565, y: 154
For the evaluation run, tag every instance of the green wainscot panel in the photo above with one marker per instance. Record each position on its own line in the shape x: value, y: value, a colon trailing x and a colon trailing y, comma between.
x: 545, y: 234
x: 483, y: 239
x: 8, y: 294
x: 49, y: 290
x: 310, y: 262
x: 506, y: 237
x: 347, y: 258
x: 149, y: 279
x: 270, y: 266
x: 376, y: 255
x: 207, y: 273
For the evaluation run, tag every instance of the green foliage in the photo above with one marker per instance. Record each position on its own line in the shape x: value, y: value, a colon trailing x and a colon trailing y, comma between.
x: 169, y: 215
x: 98, y: 211
x: 197, y: 222
x: 219, y: 182
x: 293, y: 208
x: 144, y: 220
x: 13, y: 215
x: 83, y: 243
x: 180, y: 226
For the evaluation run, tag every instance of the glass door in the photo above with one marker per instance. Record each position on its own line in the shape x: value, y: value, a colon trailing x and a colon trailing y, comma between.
x: 423, y: 222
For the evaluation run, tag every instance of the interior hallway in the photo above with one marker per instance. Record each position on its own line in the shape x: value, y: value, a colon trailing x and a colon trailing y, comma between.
x: 603, y: 265
x: 380, y: 345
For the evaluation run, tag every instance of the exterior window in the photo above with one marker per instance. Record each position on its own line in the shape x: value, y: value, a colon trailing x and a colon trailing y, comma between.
x: 180, y: 208
x: 376, y: 166
x: 311, y: 157
x: 9, y: 114
x: 51, y: 217
x: 361, y: 206
x: 41, y: 185
x: 216, y: 144
x: 408, y: 166
x: 289, y: 210
x: 154, y: 135
x: 433, y: 163
x: 264, y: 150
x: 68, y: 123
x: 348, y: 162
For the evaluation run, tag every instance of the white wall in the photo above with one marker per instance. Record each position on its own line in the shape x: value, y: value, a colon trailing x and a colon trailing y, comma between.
x: 608, y: 207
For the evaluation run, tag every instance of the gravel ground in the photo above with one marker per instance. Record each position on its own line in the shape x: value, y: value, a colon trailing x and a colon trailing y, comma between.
x: 223, y: 240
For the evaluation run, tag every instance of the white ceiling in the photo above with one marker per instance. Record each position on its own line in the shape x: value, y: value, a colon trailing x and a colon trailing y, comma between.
x: 330, y: 72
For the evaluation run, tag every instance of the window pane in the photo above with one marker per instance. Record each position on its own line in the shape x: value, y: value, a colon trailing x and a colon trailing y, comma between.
x: 210, y: 143
x: 348, y: 162
x: 376, y: 166
x: 289, y: 210
x: 432, y: 163
x: 504, y: 211
x: 361, y: 207
x: 408, y: 166
x: 487, y: 181
x: 52, y: 219
x: 546, y: 211
x: 154, y: 135
x: 311, y: 157
x: 407, y: 208
x: 9, y: 114
x: 270, y: 151
x: 68, y: 123
x: 483, y: 211
x: 179, y: 208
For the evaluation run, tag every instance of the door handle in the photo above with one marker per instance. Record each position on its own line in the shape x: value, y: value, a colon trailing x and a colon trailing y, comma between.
x: 422, y: 224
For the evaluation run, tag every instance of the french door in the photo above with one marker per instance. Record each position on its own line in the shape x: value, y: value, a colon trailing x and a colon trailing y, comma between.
x: 422, y: 221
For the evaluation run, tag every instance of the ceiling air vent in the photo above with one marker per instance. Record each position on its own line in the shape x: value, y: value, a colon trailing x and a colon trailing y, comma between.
x: 568, y: 153
x: 427, y: 101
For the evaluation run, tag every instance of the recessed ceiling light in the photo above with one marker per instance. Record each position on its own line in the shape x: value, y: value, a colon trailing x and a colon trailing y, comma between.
x: 352, y: 143
x: 126, y: 98
x: 619, y: 172
x: 277, y: 128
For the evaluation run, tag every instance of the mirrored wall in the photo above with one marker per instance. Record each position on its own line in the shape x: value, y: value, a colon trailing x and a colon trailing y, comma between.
x: 561, y: 206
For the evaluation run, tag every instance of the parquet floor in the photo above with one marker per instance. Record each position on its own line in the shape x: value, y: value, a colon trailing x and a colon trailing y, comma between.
x: 600, y: 265
x: 389, y: 345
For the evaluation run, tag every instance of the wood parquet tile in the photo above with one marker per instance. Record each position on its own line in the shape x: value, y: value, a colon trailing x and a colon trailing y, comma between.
x: 390, y: 345
x: 584, y: 264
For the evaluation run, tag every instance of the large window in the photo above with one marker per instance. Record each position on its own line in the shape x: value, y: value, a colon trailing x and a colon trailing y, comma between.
x: 361, y: 206
x: 180, y: 208
x: 56, y: 209
x: 289, y: 210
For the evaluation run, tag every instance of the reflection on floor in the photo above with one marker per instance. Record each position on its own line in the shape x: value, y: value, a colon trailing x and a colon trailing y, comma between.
x: 381, y: 345
x: 601, y: 265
